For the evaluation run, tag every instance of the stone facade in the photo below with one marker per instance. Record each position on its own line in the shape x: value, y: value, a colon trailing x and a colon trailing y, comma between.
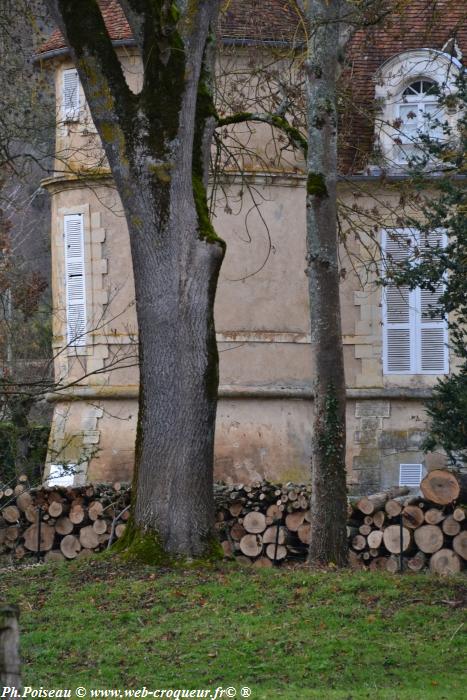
x: 262, y: 321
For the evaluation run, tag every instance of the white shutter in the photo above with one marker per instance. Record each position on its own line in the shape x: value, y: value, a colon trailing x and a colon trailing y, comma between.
x: 398, y: 337
x: 433, y: 336
x: 70, y: 95
x: 75, y: 280
x: 414, y: 331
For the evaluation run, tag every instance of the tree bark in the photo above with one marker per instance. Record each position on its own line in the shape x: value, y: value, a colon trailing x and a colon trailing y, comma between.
x: 329, y: 491
x: 157, y: 144
x: 10, y: 668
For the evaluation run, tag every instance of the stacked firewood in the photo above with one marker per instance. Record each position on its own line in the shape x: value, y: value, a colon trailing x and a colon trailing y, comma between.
x: 261, y: 523
x: 389, y: 530
x: 60, y: 523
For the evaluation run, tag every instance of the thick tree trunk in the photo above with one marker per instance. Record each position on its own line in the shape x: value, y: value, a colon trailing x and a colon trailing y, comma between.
x: 328, y: 501
x: 157, y: 144
x: 10, y: 667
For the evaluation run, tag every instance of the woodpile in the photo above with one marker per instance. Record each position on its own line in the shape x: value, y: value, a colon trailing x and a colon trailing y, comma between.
x: 391, y: 530
x: 261, y: 524
x: 60, y: 523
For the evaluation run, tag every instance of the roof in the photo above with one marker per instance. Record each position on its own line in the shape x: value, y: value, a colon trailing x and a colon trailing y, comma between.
x: 419, y: 24
x: 241, y: 20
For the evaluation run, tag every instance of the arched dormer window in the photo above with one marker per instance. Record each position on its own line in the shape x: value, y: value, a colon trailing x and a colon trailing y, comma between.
x: 407, y: 96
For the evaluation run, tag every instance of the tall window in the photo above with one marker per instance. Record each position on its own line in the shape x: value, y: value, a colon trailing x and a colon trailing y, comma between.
x: 414, y: 332
x: 418, y: 112
x: 71, y: 100
x: 75, y: 280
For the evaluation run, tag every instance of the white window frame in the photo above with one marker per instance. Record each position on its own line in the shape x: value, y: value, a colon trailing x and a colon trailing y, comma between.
x: 419, y: 104
x: 392, y: 78
x: 72, y: 340
x: 71, y: 113
x: 416, y: 323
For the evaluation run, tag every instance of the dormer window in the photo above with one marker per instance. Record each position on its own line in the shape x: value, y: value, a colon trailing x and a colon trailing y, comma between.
x: 418, y: 113
x: 408, y: 87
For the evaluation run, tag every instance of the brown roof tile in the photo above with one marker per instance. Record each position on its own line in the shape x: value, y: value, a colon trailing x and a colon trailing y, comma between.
x: 264, y: 20
x: 420, y: 24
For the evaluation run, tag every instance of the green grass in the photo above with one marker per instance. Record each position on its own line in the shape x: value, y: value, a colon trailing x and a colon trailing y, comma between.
x: 289, y: 634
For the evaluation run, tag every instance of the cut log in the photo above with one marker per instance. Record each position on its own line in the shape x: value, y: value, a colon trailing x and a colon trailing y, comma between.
x: 355, y: 561
x: 359, y: 542
x: 70, y: 546
x: 270, y: 534
x: 391, y: 539
x: 392, y: 508
x: 274, y: 512
x: 450, y: 526
x: 459, y: 514
x: 24, y: 501
x: 364, y: 530
x: 417, y: 562
x: 375, y: 539
x: 54, y: 555
x: 412, y: 517
x: 244, y: 561
x: 77, y: 514
x: 88, y: 537
x: 235, y: 509
x: 95, y: 510
x: 237, y: 531
x: 47, y: 536
x: 459, y: 544
x: 304, y: 533
x: 227, y: 547
x: 276, y: 553
x: 99, y: 526
x: 445, y: 562
x: 378, y: 519
x: 433, y: 516
x: 251, y: 545
x: 20, y: 552
x: 393, y: 564
x: 12, y: 533
x: 378, y: 564
x: 262, y: 563
x: 429, y: 538
x: 369, y: 504
x: 294, y: 520
x: 440, y: 486
x: 11, y: 514
x: 55, y: 509
x: 254, y: 523
x: 119, y: 530
x: 31, y: 514
x: 64, y: 526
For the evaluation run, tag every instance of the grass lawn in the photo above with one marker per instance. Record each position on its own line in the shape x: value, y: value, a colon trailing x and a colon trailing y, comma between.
x: 291, y: 634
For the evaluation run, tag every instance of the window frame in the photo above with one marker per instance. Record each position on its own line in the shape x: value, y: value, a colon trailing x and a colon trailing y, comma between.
x: 391, y: 79
x: 419, y: 104
x: 417, y: 323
